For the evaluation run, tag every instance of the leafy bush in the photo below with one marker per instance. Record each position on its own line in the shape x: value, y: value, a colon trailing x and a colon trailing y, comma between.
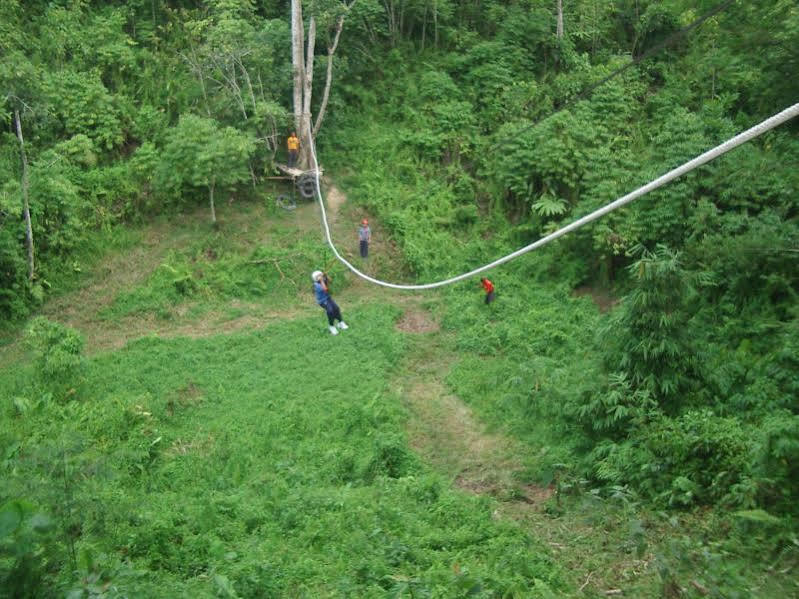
x: 777, y: 468
x: 57, y: 349
x: 649, y: 334
x: 614, y: 409
x: 14, y: 295
x: 24, y: 536
x: 694, y: 459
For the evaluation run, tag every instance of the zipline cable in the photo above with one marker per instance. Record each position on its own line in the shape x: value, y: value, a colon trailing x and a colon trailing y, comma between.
x: 734, y: 142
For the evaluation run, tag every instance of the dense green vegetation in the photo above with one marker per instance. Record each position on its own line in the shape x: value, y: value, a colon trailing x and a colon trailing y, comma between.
x: 248, y: 475
x: 275, y: 463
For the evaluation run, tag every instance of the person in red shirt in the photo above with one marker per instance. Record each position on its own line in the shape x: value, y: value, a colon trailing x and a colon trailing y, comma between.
x: 489, y: 289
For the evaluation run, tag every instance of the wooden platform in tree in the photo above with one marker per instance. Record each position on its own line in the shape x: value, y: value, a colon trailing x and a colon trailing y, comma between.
x: 305, y: 181
x: 294, y: 172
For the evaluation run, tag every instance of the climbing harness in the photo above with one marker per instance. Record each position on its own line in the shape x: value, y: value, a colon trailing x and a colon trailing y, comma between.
x: 719, y: 150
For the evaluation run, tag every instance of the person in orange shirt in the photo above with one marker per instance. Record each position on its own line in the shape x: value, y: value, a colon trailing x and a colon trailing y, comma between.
x: 489, y: 289
x: 293, y: 144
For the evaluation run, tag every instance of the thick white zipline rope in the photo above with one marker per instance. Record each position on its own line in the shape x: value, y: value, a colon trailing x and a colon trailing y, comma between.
x: 728, y: 145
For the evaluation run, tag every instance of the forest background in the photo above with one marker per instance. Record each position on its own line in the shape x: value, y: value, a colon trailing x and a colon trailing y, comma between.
x: 467, y: 130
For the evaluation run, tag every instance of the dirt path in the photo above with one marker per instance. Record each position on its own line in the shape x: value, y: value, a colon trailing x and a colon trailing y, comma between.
x: 335, y: 199
x: 445, y: 431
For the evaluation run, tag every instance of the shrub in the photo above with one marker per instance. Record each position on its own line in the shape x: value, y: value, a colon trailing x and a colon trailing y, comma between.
x: 13, y: 273
x: 694, y: 459
x: 23, y: 556
x: 777, y: 466
x: 58, y: 353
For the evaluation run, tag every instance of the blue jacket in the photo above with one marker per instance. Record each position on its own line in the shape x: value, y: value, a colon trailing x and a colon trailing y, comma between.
x: 321, y: 294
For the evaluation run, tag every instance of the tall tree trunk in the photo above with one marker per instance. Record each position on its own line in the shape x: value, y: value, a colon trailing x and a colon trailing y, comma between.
x: 331, y: 49
x: 247, y: 80
x: 211, y: 199
x: 297, y: 60
x: 560, y: 19
x: 435, y: 24
x: 25, y: 203
x: 304, y: 133
x: 424, y: 25
x: 303, y: 77
x: 194, y: 63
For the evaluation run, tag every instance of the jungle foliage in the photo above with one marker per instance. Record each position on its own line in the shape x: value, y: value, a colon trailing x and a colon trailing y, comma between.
x: 463, y: 127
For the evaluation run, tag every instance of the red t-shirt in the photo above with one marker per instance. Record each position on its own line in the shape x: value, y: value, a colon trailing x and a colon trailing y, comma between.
x: 487, y: 285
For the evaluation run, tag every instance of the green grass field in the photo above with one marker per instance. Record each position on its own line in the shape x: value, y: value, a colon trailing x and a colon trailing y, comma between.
x: 273, y: 463
x: 214, y: 440
x: 268, y: 461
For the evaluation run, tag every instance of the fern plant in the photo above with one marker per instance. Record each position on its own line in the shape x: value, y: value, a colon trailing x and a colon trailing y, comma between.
x: 549, y: 205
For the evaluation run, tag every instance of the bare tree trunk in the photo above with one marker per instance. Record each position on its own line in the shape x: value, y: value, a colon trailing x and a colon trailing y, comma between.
x: 303, y: 77
x: 307, y: 91
x: 211, y: 197
x: 424, y: 25
x: 331, y: 50
x: 328, y: 80
x: 194, y: 64
x: 296, y: 59
x: 25, y: 203
x: 252, y: 175
x: 248, y: 82
x: 435, y: 25
x: 228, y: 71
x: 260, y: 85
x: 392, y: 22
x: 560, y: 19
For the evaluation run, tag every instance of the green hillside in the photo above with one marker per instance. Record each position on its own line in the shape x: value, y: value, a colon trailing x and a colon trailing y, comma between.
x: 178, y: 421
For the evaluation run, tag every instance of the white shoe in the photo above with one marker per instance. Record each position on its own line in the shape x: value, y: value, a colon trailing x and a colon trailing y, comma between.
x: 333, y: 330
x: 342, y: 325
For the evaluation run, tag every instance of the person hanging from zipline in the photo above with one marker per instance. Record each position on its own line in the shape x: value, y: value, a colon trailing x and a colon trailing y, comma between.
x: 322, y: 294
x: 488, y: 286
x: 364, y: 237
x: 293, y: 145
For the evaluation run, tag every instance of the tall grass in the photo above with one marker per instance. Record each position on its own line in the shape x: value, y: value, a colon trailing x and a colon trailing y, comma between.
x: 266, y: 464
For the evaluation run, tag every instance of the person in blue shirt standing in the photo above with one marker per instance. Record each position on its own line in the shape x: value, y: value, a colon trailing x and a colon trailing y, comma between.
x: 322, y: 294
x: 364, y: 237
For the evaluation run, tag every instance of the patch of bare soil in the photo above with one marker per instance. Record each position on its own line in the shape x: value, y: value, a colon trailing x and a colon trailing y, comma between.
x: 445, y: 432
x: 335, y: 198
x: 118, y: 272
x: 601, y: 297
x: 122, y: 271
x: 416, y: 321
x: 118, y: 333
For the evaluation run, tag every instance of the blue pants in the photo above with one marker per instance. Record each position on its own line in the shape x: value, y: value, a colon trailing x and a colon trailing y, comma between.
x: 364, y: 248
x: 333, y: 312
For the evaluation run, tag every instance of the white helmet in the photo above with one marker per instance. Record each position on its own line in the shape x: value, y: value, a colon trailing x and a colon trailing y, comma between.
x: 316, y: 275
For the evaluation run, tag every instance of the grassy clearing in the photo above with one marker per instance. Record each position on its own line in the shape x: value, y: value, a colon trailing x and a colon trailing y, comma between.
x: 221, y: 443
x: 272, y: 463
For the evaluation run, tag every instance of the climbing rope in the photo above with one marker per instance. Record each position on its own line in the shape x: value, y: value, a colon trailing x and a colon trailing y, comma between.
x: 723, y: 148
